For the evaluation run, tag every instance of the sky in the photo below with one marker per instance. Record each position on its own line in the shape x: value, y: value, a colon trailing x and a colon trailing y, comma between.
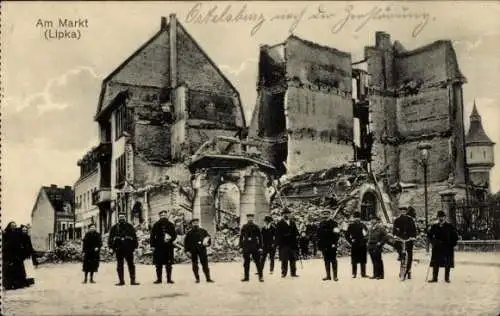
x: 51, y: 87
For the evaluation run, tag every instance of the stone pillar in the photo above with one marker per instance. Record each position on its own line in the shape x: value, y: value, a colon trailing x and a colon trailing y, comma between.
x: 253, y: 198
x: 204, y: 203
x: 448, y: 204
x: 145, y: 208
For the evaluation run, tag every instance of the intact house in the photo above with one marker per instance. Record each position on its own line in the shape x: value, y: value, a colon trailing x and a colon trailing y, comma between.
x: 85, y: 188
x: 52, y: 217
x: 154, y: 111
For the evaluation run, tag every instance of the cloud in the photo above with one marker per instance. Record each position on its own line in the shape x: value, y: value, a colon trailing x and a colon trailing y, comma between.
x: 250, y: 62
x: 61, y: 115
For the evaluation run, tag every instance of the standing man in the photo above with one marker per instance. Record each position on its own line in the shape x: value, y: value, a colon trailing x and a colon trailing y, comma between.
x: 329, y: 234
x: 287, y: 240
x: 123, y: 241
x: 443, y: 237
x: 356, y: 236
x: 404, y: 227
x: 377, y: 237
x: 162, y: 239
x: 196, y: 242
x: 269, y: 243
x: 251, y: 246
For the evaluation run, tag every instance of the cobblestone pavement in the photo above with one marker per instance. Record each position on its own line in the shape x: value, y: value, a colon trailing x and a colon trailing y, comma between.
x: 474, y: 291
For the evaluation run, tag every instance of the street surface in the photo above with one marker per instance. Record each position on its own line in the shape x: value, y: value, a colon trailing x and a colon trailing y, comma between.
x: 475, y: 290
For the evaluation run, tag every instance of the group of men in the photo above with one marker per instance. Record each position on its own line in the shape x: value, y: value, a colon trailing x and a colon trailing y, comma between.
x: 123, y: 241
x: 258, y: 245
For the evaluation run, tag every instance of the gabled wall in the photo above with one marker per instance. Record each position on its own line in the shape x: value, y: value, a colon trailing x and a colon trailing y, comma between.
x: 42, y: 222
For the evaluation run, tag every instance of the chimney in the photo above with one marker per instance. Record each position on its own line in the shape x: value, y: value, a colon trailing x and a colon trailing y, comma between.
x: 163, y: 24
x: 53, y: 186
x: 173, y: 51
x: 383, y: 40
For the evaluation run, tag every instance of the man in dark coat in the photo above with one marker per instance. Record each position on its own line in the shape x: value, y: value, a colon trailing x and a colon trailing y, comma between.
x: 13, y: 272
x: 251, y: 246
x: 287, y: 240
x: 163, y: 235
x: 92, y: 243
x: 356, y: 236
x: 443, y: 237
x: 269, y: 243
x: 123, y: 241
x: 329, y: 235
x: 404, y: 227
x: 195, y: 243
x: 377, y: 237
x: 28, y: 253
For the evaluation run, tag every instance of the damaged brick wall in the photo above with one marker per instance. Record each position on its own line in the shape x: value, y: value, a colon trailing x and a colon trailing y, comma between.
x: 412, y: 100
x: 312, y: 85
x: 153, y: 57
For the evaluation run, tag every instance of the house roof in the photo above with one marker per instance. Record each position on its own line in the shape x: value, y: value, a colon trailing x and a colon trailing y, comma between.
x: 476, y: 134
x: 165, y: 27
x: 58, y: 197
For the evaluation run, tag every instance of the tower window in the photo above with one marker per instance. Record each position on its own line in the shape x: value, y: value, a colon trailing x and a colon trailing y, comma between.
x: 484, y: 154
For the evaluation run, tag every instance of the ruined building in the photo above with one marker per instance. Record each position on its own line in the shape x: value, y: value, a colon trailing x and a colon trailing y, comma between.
x: 313, y: 98
x: 154, y: 111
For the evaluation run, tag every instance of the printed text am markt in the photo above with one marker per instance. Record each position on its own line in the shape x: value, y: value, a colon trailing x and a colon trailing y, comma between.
x: 67, y: 23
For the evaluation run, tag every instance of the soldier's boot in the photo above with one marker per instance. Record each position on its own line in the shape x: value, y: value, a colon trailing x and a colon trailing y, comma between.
x: 169, y: 274
x: 158, y: 275
x: 206, y: 271
x: 196, y: 276
x: 363, y: 270
x: 447, y: 275
x: 355, y: 270
x: 132, y: 278
x: 92, y: 277
x: 435, y: 273
x: 335, y: 271
x: 85, y: 279
x: 120, y: 278
x: 327, y: 269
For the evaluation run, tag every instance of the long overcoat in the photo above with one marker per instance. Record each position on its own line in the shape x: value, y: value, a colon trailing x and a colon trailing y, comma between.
x: 163, y: 252
x: 92, y: 243
x: 443, y: 238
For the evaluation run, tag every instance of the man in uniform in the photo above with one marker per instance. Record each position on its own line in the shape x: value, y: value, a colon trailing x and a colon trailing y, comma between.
x: 123, y: 241
x: 196, y: 242
x: 287, y: 240
x: 162, y: 239
x: 251, y: 246
x: 269, y: 243
x: 404, y: 227
x: 356, y: 236
x: 329, y: 234
x: 443, y: 237
x: 377, y: 237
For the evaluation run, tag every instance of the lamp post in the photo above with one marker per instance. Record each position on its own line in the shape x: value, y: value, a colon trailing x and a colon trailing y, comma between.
x: 424, y: 156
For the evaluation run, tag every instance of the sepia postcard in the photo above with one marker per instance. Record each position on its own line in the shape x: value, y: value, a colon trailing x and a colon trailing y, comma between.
x: 250, y: 158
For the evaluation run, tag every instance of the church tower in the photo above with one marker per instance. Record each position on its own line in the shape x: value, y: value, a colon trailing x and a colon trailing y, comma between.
x: 479, y: 148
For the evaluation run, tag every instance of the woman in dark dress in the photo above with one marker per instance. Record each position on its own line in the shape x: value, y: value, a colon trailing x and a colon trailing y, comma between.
x: 92, y: 243
x: 28, y: 253
x: 13, y: 273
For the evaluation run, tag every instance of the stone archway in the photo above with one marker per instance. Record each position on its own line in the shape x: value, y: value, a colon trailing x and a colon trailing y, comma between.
x: 369, y: 205
x: 229, y: 160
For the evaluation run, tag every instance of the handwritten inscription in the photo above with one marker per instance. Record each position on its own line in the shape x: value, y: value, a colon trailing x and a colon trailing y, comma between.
x: 341, y: 18
x: 62, y: 28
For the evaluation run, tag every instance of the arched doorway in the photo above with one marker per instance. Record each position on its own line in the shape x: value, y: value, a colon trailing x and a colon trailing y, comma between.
x: 227, y: 204
x: 368, y: 205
